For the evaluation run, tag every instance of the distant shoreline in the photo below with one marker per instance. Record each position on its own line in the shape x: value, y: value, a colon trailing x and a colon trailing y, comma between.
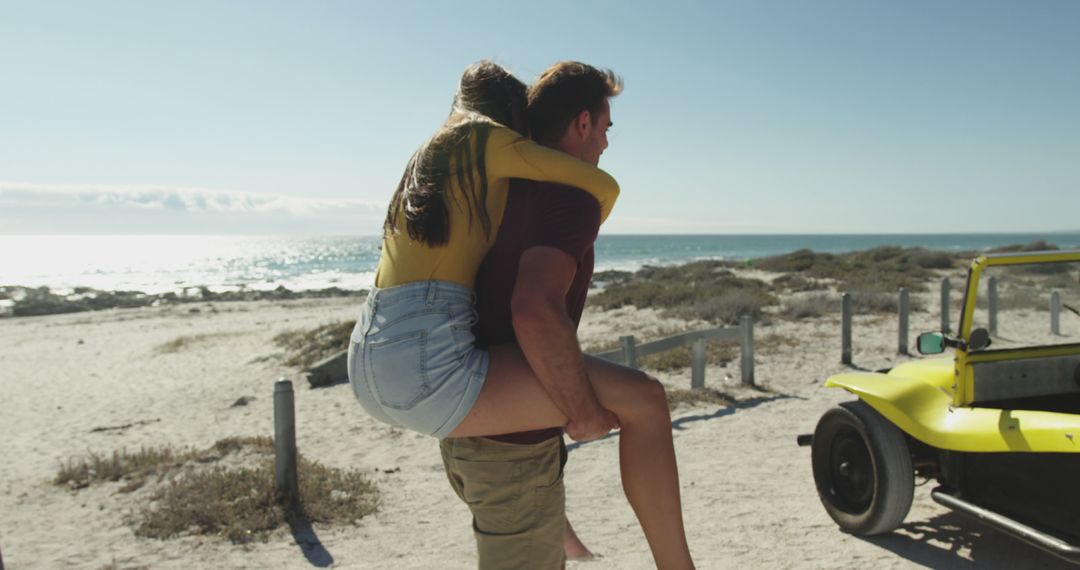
x: 26, y: 301
x: 156, y: 264
x: 19, y: 301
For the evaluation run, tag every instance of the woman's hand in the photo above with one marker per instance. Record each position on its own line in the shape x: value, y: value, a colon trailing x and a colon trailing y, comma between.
x: 592, y: 426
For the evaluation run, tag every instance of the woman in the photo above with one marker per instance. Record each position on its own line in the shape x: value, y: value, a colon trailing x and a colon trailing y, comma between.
x: 412, y: 361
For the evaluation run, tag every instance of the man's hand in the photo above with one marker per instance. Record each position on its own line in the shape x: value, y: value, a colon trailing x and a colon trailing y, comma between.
x: 548, y: 339
x: 592, y: 426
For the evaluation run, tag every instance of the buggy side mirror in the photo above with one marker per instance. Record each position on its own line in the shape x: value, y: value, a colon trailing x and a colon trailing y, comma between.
x: 931, y: 343
x: 979, y: 340
x: 935, y: 342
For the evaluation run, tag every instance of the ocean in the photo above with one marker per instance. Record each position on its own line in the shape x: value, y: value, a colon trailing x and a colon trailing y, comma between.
x: 162, y: 263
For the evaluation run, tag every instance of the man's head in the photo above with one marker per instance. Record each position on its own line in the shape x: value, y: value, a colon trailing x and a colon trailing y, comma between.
x: 569, y: 110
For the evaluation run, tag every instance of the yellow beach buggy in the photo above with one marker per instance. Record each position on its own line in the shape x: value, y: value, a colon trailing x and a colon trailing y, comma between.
x: 997, y: 425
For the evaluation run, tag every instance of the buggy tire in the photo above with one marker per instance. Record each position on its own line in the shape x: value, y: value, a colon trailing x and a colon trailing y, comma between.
x: 862, y: 469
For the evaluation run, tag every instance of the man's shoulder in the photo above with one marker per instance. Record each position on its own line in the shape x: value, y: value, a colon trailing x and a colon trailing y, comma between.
x: 551, y: 193
x: 535, y: 185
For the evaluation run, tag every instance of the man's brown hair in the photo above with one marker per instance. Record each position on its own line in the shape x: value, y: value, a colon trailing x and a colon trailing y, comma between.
x: 563, y: 92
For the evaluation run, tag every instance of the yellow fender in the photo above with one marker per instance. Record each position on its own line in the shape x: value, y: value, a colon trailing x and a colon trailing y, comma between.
x: 924, y: 410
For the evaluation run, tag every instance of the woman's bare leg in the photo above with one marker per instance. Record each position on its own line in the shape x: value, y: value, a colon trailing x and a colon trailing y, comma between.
x: 513, y: 400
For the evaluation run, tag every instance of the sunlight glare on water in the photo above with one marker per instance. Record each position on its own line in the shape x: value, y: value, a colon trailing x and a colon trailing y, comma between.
x: 160, y: 263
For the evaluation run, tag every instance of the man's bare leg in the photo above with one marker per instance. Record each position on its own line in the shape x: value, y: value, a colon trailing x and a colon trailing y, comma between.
x: 575, y: 549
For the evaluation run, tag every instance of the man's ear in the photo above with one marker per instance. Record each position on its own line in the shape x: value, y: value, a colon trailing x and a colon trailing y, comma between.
x: 583, y: 124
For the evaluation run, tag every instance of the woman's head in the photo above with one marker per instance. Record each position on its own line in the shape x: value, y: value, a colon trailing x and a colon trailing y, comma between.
x: 488, y: 89
x: 487, y: 94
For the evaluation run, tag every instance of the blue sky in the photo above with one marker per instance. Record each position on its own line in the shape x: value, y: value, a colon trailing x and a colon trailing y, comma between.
x: 738, y: 116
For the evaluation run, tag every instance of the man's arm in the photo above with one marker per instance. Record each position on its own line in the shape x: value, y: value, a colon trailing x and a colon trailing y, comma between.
x: 548, y: 338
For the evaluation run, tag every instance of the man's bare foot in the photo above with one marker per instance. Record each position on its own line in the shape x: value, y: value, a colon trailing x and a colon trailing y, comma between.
x: 575, y: 549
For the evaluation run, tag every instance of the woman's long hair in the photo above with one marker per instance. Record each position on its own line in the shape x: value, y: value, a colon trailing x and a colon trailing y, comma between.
x: 487, y: 94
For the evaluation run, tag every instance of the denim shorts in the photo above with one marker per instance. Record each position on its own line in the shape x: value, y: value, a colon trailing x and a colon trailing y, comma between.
x: 412, y: 356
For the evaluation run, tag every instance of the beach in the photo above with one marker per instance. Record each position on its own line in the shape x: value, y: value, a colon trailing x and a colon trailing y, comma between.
x: 101, y: 381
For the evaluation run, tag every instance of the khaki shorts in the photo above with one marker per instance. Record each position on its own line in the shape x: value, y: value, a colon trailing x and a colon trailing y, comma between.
x: 516, y: 496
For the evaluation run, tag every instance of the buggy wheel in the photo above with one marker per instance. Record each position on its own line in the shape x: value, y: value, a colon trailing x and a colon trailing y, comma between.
x: 862, y: 468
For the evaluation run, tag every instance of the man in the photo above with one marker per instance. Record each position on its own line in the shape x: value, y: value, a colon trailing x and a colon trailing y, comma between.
x: 531, y: 290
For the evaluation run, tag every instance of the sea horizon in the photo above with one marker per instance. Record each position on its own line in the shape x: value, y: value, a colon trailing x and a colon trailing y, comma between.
x: 158, y: 263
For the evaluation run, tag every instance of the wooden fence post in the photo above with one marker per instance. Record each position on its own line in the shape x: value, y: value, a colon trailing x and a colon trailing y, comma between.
x: 697, y: 369
x: 845, y: 328
x: 746, y: 350
x: 629, y: 350
x: 991, y: 288
x: 1055, y: 313
x: 903, y: 347
x: 945, y: 287
x: 285, y: 442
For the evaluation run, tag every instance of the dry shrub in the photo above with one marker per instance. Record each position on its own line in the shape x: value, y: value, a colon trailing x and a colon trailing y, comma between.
x: 863, y: 302
x: 795, y: 283
x: 716, y: 353
x: 701, y: 290
x: 810, y: 306
x: 726, y: 307
x: 188, y: 341
x: 1039, y: 245
x: 710, y: 396
x: 122, y: 464
x: 777, y: 343
x: 310, y: 346
x: 239, y: 503
x: 877, y: 269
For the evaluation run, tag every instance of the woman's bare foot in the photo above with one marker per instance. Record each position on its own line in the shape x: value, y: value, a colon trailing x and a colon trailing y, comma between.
x: 575, y: 549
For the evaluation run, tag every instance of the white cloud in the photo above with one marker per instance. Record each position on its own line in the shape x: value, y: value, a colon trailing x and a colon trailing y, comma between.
x: 175, y: 198
x: 55, y: 208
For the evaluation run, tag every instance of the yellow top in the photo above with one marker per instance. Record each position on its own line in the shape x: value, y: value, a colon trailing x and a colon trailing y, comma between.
x: 508, y: 155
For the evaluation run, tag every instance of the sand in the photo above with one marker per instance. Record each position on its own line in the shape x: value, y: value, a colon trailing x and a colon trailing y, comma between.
x: 748, y: 493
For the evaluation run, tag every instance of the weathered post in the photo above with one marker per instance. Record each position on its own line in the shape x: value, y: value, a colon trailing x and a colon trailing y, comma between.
x: 903, y: 347
x: 945, y: 287
x: 285, y: 442
x: 845, y: 328
x: 746, y: 350
x: 1055, y: 313
x: 629, y: 350
x: 991, y: 289
x: 697, y: 369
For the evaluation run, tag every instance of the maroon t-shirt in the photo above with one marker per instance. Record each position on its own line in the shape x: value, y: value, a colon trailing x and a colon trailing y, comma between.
x: 537, y: 214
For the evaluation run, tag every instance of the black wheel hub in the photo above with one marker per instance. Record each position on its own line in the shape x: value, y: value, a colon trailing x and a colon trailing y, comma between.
x: 851, y: 472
